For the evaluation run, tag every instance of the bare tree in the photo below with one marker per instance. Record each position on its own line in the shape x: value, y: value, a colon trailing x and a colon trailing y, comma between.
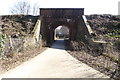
x: 22, y: 7
x: 35, y: 8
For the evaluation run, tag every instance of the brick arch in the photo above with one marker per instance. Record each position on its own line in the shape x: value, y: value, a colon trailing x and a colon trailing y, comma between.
x: 72, y: 31
x: 51, y: 18
x: 59, y: 23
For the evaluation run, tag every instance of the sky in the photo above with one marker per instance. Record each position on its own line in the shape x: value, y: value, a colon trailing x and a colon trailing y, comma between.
x: 90, y: 6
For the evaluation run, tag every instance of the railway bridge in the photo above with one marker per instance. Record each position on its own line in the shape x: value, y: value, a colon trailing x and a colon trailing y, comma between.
x: 72, y: 18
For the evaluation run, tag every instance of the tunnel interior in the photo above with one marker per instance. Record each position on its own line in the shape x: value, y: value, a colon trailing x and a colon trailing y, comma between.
x: 61, y: 32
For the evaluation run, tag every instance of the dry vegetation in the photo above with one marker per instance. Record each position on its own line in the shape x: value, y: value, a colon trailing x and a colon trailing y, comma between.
x: 104, y: 63
x: 12, y: 61
x: 16, y: 44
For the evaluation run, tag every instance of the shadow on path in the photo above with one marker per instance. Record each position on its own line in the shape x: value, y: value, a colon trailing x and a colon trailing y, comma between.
x: 58, y: 44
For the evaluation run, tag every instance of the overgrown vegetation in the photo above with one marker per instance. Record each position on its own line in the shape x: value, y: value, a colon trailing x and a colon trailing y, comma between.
x: 106, y: 27
x: 17, y: 25
x: 16, y: 40
x: 7, y: 63
x: 107, y: 62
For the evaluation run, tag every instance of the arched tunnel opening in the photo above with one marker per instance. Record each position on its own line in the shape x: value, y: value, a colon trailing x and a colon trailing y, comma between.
x: 61, y: 32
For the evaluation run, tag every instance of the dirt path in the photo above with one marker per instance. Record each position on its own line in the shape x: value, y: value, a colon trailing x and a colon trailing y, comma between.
x: 54, y: 62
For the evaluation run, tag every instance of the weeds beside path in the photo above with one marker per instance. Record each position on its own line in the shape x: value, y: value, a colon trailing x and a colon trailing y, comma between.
x: 18, y: 58
x: 101, y: 63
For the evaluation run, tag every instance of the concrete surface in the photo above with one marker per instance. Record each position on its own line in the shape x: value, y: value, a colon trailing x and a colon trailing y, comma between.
x: 54, y: 62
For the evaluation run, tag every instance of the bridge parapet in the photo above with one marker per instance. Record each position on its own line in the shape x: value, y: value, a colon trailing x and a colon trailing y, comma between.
x: 61, y: 12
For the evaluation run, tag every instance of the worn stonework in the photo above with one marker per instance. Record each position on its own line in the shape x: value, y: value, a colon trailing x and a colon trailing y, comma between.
x: 69, y: 17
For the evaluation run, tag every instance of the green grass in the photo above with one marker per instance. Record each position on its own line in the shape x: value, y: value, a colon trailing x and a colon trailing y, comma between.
x: 109, y: 67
